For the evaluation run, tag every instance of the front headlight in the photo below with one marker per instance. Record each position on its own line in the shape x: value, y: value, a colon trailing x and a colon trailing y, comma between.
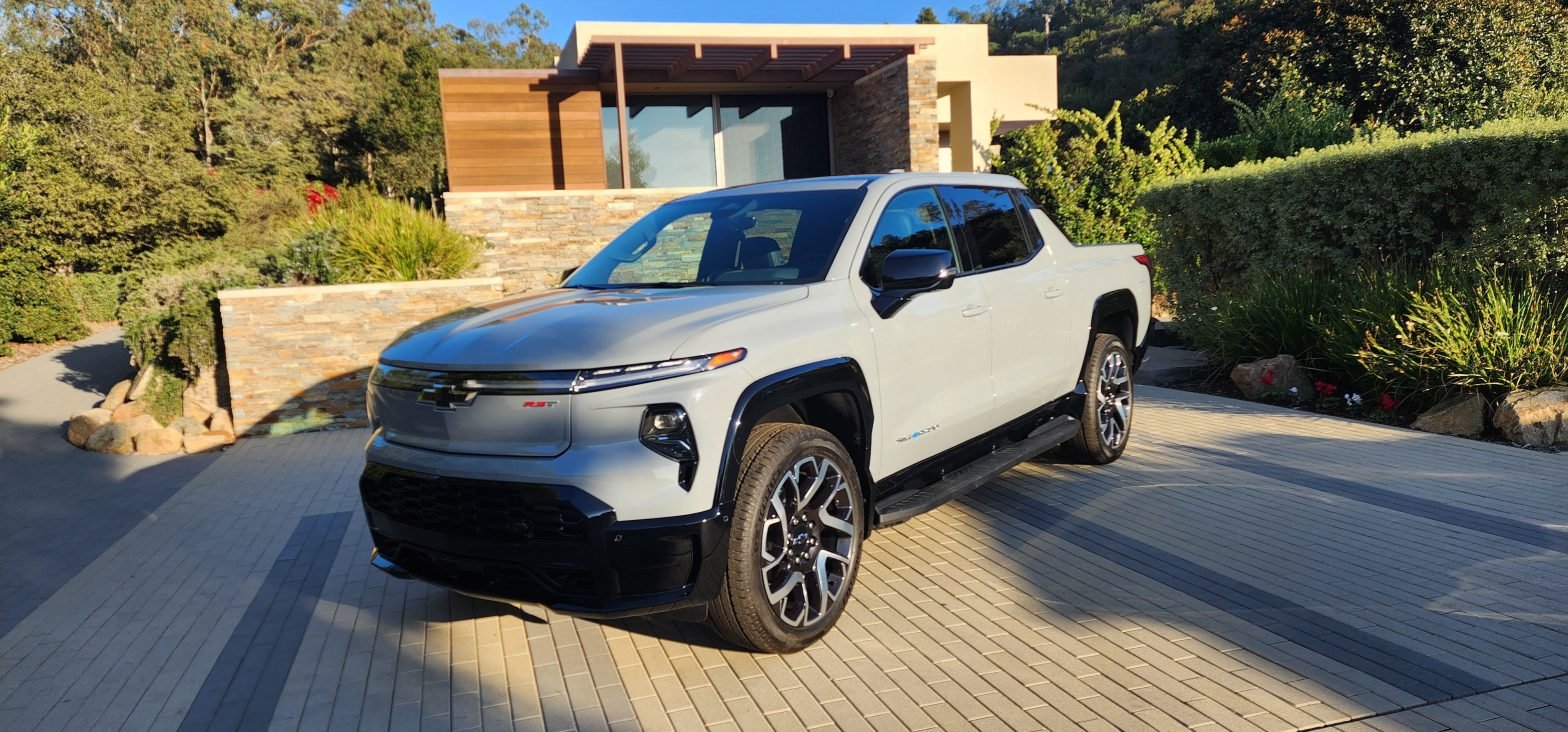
x: 596, y: 379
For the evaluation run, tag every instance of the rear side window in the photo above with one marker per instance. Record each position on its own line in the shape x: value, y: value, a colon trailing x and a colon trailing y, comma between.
x: 993, y: 226
x: 912, y: 220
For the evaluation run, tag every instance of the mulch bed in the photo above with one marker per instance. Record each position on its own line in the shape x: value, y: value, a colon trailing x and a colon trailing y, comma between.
x: 26, y: 351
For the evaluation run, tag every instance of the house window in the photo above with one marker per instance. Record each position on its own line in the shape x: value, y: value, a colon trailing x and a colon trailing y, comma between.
x: 718, y: 140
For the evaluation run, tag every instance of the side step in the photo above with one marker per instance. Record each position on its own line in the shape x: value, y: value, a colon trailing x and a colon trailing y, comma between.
x: 909, y: 504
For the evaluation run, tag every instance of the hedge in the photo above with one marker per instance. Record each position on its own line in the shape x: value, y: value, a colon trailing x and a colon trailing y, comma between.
x: 1415, y: 200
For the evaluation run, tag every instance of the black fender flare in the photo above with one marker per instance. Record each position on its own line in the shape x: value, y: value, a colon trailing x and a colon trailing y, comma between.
x: 834, y: 375
x: 1116, y: 302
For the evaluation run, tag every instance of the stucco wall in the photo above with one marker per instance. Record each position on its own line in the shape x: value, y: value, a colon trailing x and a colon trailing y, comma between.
x: 534, y: 236
x: 888, y: 120
x: 303, y: 353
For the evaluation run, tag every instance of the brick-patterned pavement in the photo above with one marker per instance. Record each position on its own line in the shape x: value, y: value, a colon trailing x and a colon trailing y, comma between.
x: 1242, y: 567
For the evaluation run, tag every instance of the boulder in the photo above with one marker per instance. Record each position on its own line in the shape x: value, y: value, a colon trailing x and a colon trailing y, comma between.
x: 142, y: 423
x: 128, y: 411
x: 1279, y: 373
x: 116, y: 395
x: 208, y: 441
x: 188, y: 426
x: 1461, y: 414
x: 200, y: 398
x: 139, y: 384
x: 1537, y: 418
x: 84, y: 424
x: 160, y: 441
x: 114, y: 439
x: 220, y: 421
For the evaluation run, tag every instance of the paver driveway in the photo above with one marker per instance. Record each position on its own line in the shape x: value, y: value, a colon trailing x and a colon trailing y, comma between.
x: 1243, y: 567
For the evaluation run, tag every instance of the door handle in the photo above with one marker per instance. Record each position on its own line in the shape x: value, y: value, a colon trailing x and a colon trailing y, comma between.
x: 973, y: 310
x: 1051, y: 293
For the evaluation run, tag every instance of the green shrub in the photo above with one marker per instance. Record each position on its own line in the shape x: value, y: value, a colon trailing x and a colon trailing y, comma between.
x: 1486, y: 331
x: 1416, y: 200
x: 1291, y: 120
x: 1088, y: 178
x: 367, y: 238
x: 170, y: 317
x: 165, y: 395
x: 96, y: 296
x: 35, y: 304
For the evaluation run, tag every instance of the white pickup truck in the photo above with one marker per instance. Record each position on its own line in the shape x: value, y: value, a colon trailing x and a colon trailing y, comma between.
x: 718, y: 408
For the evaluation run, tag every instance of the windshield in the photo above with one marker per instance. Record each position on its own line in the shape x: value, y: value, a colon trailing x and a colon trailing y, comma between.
x: 734, y: 239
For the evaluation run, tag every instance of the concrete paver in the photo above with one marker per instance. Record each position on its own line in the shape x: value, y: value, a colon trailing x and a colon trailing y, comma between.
x: 1243, y: 567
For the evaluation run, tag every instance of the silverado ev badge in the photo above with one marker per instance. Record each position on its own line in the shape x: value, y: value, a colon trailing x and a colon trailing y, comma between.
x: 446, y: 398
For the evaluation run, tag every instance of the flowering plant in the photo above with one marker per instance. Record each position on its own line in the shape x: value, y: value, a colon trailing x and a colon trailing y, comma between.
x: 319, y: 195
x: 1267, y: 378
x: 1324, y: 389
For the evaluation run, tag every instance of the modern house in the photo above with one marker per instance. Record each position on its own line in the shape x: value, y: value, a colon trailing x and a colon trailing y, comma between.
x: 634, y: 114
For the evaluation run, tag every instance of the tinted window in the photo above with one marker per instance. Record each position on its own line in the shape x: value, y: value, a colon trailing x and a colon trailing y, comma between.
x: 912, y: 220
x: 727, y: 239
x: 991, y: 220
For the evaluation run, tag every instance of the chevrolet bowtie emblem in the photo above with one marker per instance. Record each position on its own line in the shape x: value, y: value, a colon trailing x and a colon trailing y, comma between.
x: 446, y: 398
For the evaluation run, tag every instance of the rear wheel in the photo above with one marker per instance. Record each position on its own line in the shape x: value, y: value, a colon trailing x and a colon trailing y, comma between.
x: 795, y: 541
x: 1106, y: 421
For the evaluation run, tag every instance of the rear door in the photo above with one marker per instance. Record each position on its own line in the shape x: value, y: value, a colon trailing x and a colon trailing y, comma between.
x: 1033, y: 360
x: 934, y: 353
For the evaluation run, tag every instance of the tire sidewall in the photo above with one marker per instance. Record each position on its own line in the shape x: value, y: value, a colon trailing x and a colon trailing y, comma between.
x: 745, y: 560
x: 1104, y: 346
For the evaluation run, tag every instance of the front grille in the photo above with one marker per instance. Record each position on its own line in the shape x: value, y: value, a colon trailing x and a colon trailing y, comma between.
x: 476, y: 509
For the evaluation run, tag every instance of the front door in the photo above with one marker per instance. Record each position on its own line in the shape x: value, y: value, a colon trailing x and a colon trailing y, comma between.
x: 934, y: 353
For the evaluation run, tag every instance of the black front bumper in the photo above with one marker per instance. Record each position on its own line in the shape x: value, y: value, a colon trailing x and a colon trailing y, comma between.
x: 553, y: 545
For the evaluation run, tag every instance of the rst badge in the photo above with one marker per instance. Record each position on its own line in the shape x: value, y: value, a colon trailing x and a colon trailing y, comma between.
x: 546, y: 404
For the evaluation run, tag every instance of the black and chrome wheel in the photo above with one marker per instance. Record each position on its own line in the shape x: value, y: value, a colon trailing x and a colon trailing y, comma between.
x: 794, y: 543
x: 1107, y: 409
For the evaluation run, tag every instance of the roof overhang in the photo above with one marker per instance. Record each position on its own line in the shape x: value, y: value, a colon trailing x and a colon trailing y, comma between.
x: 741, y: 60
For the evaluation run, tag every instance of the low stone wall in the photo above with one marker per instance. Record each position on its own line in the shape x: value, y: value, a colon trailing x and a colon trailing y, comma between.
x: 298, y: 356
x: 534, y: 236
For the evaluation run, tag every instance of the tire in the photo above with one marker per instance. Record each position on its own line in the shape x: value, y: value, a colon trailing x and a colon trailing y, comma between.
x: 773, y: 540
x: 1106, y: 421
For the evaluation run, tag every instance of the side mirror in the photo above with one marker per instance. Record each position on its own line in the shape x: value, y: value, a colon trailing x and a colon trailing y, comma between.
x: 567, y: 274
x: 910, y: 272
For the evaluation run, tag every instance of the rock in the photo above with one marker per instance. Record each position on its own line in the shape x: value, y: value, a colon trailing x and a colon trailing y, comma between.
x: 139, y: 384
x: 1461, y: 414
x: 160, y: 441
x: 116, y: 395
x: 113, y: 439
x: 143, y: 423
x: 1537, y: 418
x: 188, y: 426
x: 221, y: 422
x: 200, y: 398
x: 208, y: 441
x: 1279, y: 373
x: 128, y: 411
x: 84, y: 424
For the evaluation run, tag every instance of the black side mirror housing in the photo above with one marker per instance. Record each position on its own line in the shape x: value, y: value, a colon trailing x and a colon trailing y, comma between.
x: 910, y: 272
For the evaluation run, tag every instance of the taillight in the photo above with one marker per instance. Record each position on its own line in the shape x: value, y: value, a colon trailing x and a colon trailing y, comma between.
x: 1143, y: 259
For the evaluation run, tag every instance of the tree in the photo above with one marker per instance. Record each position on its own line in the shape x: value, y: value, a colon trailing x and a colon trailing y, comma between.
x: 927, y: 16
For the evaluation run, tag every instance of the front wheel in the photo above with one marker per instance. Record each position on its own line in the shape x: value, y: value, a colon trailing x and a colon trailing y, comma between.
x: 795, y: 541
x: 1106, y: 420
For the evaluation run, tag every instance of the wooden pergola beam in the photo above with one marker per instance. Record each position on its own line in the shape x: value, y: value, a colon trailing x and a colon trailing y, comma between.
x: 684, y: 63
x: 756, y: 62
x: 832, y: 58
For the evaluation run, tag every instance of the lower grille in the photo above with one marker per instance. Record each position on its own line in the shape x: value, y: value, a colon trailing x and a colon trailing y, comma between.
x: 477, y: 509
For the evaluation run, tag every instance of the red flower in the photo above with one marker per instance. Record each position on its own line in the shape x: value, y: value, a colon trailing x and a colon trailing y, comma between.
x: 1324, y: 389
x: 318, y: 195
x: 1388, y: 402
x: 1267, y: 378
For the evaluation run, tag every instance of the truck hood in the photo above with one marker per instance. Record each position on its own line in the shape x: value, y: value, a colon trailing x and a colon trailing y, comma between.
x: 570, y: 329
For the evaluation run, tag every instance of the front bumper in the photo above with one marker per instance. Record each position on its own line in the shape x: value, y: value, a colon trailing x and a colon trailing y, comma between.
x: 554, y: 545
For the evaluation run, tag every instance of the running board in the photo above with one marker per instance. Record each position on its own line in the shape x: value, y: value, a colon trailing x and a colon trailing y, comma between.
x: 909, y: 504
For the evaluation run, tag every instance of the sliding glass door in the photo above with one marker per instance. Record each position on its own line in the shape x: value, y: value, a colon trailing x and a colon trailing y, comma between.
x: 718, y: 140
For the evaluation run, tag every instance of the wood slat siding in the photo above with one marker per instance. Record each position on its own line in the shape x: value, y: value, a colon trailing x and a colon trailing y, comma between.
x: 523, y: 133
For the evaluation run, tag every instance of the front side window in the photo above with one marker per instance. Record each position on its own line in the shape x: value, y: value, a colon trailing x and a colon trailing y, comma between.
x: 912, y: 220
x: 733, y: 239
x: 995, y: 231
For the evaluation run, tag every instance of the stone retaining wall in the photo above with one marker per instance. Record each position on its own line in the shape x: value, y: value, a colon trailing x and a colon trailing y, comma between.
x: 298, y: 356
x: 534, y: 236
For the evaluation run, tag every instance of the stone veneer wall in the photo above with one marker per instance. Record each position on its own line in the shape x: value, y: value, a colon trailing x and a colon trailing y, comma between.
x: 534, y: 236
x: 301, y: 354
x: 888, y: 120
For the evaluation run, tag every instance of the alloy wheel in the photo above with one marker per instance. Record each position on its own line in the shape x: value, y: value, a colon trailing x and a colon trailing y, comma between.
x: 808, y: 541
x: 1113, y: 399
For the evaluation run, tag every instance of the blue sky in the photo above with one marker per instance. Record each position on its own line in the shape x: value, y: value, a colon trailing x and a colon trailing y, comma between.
x: 563, y: 13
